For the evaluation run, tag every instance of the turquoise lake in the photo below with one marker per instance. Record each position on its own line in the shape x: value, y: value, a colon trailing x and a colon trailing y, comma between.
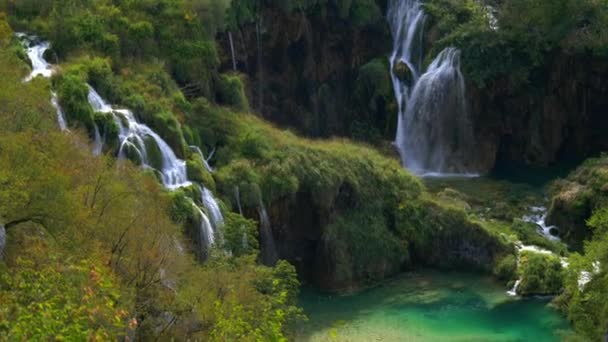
x: 431, y: 306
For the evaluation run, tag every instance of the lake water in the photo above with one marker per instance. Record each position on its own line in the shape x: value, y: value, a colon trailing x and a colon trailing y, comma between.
x: 430, y: 306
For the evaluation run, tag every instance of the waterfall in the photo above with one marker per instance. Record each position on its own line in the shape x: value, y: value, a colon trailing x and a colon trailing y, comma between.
x: 206, y: 235
x: 232, y: 50
x: 513, y: 291
x: 98, y: 142
x: 60, y: 116
x: 585, y: 277
x: 197, y: 150
x: 2, y: 240
x: 434, y: 133
x: 40, y: 67
x: 133, y: 135
x: 237, y: 196
x: 267, y: 245
x: 35, y: 51
x: 538, y: 216
x: 213, y: 208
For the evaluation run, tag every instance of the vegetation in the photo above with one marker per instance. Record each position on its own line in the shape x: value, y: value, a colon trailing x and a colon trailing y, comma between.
x: 512, y: 38
x: 98, y: 250
x: 96, y: 244
x: 579, y: 204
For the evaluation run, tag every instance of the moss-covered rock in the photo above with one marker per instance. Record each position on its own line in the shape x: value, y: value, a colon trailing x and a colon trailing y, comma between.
x: 108, y: 129
x: 198, y: 173
x: 575, y: 198
x: 443, y: 236
x: 232, y: 92
x: 72, y: 92
x: 540, y: 274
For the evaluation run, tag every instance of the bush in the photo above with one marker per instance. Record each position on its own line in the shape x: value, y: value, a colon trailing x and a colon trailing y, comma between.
x: 541, y: 274
x: 232, y: 93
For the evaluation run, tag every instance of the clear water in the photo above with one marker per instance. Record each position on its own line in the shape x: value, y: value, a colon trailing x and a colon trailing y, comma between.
x: 430, y: 306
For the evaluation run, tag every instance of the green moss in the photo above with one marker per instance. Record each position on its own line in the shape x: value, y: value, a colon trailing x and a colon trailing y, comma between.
x: 73, y: 97
x: 108, y: 129
x: 198, y: 173
x: 240, y: 234
x: 506, y: 268
x: 540, y: 274
x: 153, y: 154
x: 232, y: 92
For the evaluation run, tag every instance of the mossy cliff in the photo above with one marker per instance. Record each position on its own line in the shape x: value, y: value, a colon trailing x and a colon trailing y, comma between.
x: 580, y: 208
x: 343, y: 214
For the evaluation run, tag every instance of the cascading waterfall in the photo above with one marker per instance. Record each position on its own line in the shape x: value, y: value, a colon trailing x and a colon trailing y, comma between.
x: 269, y: 251
x: 133, y: 135
x: 40, y: 67
x: 538, y: 216
x: 434, y: 132
x: 35, y: 51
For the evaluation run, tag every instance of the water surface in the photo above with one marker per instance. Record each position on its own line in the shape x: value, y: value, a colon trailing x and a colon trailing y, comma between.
x: 430, y: 306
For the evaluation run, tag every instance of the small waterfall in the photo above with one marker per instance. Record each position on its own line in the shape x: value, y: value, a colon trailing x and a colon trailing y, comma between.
x: 2, y: 240
x: 98, y: 142
x: 206, y: 234
x: 232, y: 50
x: 585, y: 277
x: 40, y: 67
x: 60, y: 116
x: 133, y: 135
x: 35, y: 51
x: 538, y: 216
x: 98, y: 103
x: 237, y: 196
x: 513, y: 291
x: 267, y: 245
x: 434, y: 132
x: 213, y: 208
x: 197, y: 150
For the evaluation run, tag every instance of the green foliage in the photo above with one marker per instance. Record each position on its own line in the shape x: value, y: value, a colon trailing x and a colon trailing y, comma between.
x: 38, y: 300
x: 198, y: 173
x: 374, y: 97
x: 73, y: 98
x: 540, y: 274
x: 232, y: 93
x: 240, y: 234
x: 528, y: 235
x: 527, y: 31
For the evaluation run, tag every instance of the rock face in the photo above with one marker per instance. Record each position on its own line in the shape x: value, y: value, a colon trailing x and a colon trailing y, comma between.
x: 431, y: 235
x: 560, y: 115
x: 302, y: 73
